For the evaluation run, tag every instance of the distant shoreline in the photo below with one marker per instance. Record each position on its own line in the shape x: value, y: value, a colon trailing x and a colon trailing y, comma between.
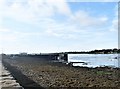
x: 102, y: 51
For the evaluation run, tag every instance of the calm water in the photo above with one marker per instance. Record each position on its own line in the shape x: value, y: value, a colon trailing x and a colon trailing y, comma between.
x: 94, y: 60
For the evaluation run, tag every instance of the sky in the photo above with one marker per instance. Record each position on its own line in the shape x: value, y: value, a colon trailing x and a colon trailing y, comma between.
x: 45, y: 26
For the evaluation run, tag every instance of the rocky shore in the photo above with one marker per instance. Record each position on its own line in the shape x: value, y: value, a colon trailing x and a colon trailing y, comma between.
x: 47, y: 74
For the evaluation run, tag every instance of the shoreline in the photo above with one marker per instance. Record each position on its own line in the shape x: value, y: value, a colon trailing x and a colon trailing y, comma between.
x: 47, y: 74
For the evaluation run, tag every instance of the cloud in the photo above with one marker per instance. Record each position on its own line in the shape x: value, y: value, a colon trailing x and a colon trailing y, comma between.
x: 9, y: 35
x: 41, y: 12
x: 84, y: 19
x: 60, y: 30
x: 93, y: 0
x: 61, y: 6
x: 4, y: 30
x: 114, y: 26
x: 6, y: 35
x: 43, y: 16
x: 33, y: 10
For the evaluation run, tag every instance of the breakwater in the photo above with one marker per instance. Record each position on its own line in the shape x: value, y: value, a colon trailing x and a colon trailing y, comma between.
x: 7, y: 80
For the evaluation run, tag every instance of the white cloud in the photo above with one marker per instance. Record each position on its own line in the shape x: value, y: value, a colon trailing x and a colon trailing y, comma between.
x: 77, y: 26
x: 84, y: 19
x: 40, y: 11
x: 33, y: 10
x: 60, y: 30
x: 114, y: 26
x: 93, y: 0
x: 104, y: 19
x: 4, y: 30
x: 61, y: 6
x: 9, y: 35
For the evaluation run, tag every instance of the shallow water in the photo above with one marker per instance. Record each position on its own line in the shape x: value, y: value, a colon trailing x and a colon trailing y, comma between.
x: 94, y: 60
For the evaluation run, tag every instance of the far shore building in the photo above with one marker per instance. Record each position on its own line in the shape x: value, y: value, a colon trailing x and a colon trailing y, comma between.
x: 23, y: 53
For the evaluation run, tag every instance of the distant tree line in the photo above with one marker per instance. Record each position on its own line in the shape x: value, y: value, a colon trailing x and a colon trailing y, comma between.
x: 103, y: 51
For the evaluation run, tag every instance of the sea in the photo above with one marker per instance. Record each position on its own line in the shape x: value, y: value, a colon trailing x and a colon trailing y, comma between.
x: 95, y: 60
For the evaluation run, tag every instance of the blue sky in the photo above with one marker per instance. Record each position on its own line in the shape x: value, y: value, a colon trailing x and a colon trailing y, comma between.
x: 36, y: 26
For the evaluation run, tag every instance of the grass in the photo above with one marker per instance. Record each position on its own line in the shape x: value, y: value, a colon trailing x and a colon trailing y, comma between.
x: 103, y: 72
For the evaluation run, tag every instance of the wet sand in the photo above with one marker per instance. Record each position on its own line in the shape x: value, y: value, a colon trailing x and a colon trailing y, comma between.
x: 57, y: 75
